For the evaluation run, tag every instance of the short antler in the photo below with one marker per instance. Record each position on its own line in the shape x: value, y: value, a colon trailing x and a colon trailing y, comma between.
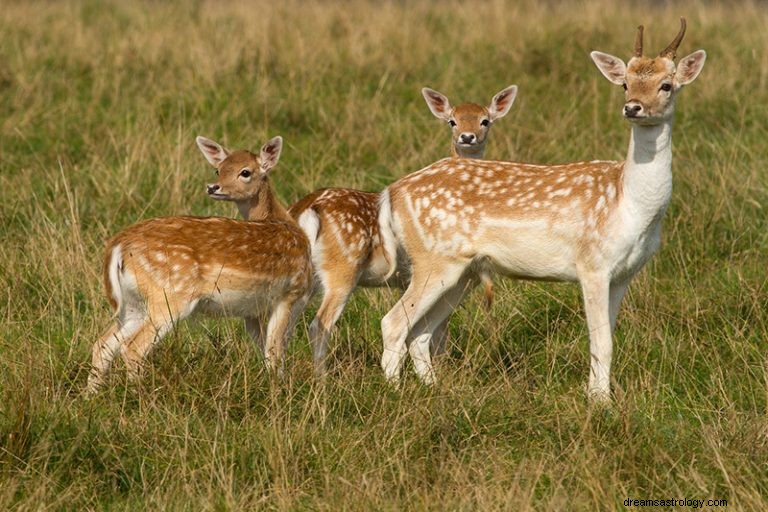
x: 639, y: 42
x: 671, y: 50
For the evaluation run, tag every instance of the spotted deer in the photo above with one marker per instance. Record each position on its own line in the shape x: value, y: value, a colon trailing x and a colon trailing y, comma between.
x: 343, y: 229
x: 162, y: 270
x: 596, y: 223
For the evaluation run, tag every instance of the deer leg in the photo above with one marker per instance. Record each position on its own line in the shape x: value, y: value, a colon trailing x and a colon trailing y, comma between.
x: 279, y: 327
x: 426, y: 288
x: 139, y: 344
x: 255, y: 326
x: 440, y: 338
x: 432, y: 323
x: 337, y: 288
x: 104, y: 351
x: 617, y: 291
x: 162, y: 318
x: 596, y: 290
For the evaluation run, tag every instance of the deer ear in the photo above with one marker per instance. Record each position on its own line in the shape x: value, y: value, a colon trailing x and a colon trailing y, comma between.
x: 270, y: 153
x: 690, y: 67
x: 502, y: 102
x: 212, y: 151
x: 437, y: 103
x: 612, y: 68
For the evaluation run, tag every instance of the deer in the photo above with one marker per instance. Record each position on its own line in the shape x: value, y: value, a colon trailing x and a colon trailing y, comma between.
x: 593, y: 222
x: 342, y: 224
x: 163, y: 270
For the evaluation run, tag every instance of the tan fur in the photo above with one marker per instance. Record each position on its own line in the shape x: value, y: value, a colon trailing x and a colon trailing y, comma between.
x: 468, y: 118
x: 348, y: 251
x: 452, y: 192
x: 259, y: 206
x: 170, y: 267
x: 644, y: 76
x: 596, y: 223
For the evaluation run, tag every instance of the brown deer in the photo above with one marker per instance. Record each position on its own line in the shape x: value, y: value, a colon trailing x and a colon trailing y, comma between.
x: 595, y: 222
x: 162, y: 270
x: 343, y: 229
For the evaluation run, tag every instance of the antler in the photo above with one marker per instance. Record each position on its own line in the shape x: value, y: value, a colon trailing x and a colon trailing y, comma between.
x: 671, y: 50
x: 639, y: 42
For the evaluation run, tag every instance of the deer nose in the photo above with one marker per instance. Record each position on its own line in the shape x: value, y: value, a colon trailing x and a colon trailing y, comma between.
x: 212, y: 189
x: 632, y: 109
x: 467, y: 138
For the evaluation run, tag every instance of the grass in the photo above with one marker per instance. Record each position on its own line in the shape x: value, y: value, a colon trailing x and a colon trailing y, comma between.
x: 99, y: 106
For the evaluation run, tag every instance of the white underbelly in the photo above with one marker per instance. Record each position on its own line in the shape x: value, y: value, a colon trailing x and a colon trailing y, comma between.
x: 535, y: 252
x: 244, y: 303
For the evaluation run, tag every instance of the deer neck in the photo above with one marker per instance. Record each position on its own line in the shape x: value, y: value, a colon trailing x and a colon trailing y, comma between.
x: 263, y: 206
x: 648, y: 168
x: 473, y: 152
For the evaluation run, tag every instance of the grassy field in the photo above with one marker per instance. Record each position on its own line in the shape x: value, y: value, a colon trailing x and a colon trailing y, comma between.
x: 99, y: 106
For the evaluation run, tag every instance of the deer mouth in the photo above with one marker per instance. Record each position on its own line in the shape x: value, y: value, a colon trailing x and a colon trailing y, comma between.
x: 218, y: 195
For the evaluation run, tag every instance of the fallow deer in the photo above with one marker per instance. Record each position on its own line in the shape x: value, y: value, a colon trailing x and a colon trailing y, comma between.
x: 162, y: 270
x: 596, y: 222
x: 343, y: 229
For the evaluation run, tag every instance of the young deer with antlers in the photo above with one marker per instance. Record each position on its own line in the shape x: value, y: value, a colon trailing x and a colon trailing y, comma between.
x: 343, y: 229
x: 593, y: 222
x: 160, y: 271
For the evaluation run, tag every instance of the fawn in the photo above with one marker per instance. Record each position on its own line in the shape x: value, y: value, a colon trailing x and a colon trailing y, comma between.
x: 162, y: 270
x: 596, y: 222
x: 343, y: 229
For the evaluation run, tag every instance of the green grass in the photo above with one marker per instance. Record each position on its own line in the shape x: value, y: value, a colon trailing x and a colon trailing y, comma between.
x: 99, y: 106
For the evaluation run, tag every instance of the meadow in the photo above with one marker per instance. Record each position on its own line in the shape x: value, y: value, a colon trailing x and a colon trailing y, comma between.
x: 99, y: 106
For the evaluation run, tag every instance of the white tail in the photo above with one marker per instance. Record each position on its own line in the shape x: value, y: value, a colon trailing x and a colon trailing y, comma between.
x: 349, y: 250
x: 160, y: 271
x: 593, y: 222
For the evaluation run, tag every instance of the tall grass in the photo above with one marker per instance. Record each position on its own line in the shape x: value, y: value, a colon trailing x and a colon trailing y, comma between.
x: 99, y: 106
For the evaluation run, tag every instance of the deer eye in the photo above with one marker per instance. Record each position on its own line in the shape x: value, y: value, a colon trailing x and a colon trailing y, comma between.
x: 452, y: 122
x: 624, y: 86
x: 485, y: 122
x: 666, y: 87
x: 246, y: 173
x: 217, y: 172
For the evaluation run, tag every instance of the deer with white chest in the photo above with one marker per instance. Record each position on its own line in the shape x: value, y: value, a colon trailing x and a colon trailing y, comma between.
x: 594, y: 222
x: 162, y: 270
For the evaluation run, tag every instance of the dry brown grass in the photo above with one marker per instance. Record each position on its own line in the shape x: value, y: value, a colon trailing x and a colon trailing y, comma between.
x: 99, y: 106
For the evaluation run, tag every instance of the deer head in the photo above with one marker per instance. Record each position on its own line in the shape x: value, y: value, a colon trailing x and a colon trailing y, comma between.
x: 243, y: 177
x: 469, y: 122
x: 651, y: 83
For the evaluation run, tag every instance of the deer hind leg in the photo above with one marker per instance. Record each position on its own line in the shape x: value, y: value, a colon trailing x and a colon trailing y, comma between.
x: 596, y: 290
x: 162, y: 318
x: 106, y: 348
x: 440, y: 338
x: 279, y: 327
x: 441, y: 335
x: 433, y: 325
x: 138, y: 345
x: 256, y: 327
x: 427, y: 287
x: 337, y: 288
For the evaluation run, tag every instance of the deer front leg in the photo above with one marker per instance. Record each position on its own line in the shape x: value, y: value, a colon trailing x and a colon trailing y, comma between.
x: 596, y: 290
